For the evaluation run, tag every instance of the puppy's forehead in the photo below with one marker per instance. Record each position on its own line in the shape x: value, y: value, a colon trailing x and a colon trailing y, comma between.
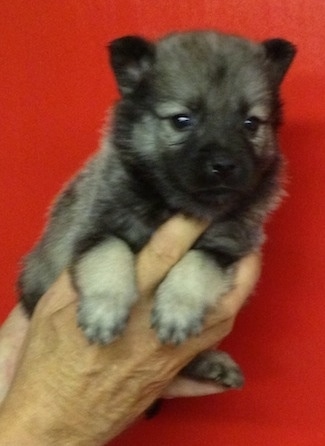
x: 200, y: 66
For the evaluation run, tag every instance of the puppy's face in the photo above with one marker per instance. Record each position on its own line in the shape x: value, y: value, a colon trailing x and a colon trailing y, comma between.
x: 199, y: 113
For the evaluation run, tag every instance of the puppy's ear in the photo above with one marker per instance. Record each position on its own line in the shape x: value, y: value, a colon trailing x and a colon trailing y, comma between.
x: 131, y: 58
x: 279, y: 53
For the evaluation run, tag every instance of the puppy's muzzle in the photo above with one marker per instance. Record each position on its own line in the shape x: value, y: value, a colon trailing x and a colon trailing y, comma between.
x: 223, y: 169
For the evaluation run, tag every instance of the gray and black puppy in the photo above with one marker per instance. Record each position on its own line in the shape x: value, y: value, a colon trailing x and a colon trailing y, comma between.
x: 195, y: 131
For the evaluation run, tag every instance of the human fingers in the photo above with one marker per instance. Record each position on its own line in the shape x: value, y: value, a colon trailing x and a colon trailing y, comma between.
x: 60, y: 294
x: 165, y: 248
x: 221, y: 317
x: 16, y: 321
x: 185, y: 387
x: 12, y: 335
x: 219, y: 323
x: 167, y: 245
x: 247, y: 274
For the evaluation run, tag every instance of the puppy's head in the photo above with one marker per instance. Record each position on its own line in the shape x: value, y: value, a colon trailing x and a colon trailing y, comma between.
x: 198, y: 115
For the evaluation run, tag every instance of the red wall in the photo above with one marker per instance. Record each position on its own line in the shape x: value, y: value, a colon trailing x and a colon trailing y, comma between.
x: 55, y: 86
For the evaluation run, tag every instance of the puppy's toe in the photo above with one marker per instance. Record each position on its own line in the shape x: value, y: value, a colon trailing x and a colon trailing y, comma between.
x: 216, y: 366
x: 101, y: 332
x: 101, y: 324
x: 175, y: 327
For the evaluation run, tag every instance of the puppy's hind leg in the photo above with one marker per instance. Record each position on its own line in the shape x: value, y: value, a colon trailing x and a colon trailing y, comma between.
x: 104, y: 276
x: 216, y: 366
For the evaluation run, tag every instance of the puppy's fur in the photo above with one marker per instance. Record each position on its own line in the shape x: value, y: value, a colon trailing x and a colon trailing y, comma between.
x: 195, y: 131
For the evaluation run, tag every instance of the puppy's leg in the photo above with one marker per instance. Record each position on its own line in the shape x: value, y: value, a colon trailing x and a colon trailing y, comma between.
x: 184, y: 296
x: 35, y: 278
x: 215, y: 366
x: 105, y: 278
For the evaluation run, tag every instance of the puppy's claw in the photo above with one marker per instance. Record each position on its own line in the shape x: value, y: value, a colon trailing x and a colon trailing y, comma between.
x: 175, y: 328
x: 102, y: 329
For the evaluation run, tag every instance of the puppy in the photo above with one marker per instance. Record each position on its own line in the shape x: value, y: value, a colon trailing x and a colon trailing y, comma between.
x: 195, y: 131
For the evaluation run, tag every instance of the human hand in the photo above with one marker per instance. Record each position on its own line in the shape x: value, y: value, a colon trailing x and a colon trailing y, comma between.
x: 154, y: 262
x: 68, y: 389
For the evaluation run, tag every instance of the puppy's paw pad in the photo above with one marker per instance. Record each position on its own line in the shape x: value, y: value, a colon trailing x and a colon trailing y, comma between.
x: 216, y: 366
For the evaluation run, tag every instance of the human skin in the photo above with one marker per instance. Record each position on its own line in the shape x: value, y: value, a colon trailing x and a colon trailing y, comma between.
x: 67, y: 391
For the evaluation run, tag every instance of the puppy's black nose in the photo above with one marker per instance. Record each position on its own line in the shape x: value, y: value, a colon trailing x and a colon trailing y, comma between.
x: 224, y: 168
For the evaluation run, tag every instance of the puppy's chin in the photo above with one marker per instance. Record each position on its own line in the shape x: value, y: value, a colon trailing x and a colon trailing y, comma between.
x: 205, y: 203
x: 217, y: 202
x: 196, y: 198
x: 218, y: 196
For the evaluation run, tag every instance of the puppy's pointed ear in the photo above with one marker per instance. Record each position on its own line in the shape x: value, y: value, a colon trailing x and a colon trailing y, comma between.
x: 131, y: 58
x: 279, y: 53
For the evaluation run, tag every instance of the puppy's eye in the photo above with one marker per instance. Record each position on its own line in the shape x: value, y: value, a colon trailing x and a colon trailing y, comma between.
x: 182, y: 122
x: 252, y: 124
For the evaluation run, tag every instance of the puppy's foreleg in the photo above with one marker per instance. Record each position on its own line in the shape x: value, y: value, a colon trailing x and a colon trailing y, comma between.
x: 184, y: 296
x: 104, y: 276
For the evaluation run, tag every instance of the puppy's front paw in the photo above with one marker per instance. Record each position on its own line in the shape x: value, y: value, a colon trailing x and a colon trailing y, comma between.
x: 102, y: 319
x: 105, y: 280
x: 183, y: 298
x: 217, y: 366
x: 174, y: 325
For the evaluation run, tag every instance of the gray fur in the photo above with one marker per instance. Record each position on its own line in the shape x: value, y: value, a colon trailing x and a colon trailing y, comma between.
x: 220, y: 165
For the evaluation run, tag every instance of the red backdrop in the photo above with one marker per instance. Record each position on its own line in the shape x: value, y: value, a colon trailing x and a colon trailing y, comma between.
x: 55, y: 87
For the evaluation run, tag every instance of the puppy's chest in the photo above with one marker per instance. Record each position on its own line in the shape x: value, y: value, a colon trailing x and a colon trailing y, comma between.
x: 229, y: 239
x: 135, y: 223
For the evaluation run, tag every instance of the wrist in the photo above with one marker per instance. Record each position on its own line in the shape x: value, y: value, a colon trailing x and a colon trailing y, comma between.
x: 14, y: 431
x: 33, y: 426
